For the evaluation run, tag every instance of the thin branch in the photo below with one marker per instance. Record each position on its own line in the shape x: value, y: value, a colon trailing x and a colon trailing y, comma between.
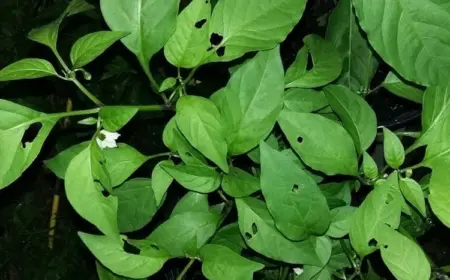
x: 185, y: 269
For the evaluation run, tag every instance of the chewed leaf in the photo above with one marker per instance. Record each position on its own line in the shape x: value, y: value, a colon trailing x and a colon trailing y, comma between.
x: 22, y: 134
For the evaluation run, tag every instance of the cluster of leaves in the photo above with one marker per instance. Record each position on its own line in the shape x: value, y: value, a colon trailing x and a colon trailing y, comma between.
x: 308, y: 132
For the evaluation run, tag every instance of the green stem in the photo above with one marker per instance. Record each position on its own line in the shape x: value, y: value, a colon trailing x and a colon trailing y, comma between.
x: 149, y: 75
x: 224, y: 198
x: 88, y: 93
x: 185, y: 269
x: 168, y: 154
x: 190, y: 76
x: 150, y: 108
x: 61, y: 61
x: 415, y: 166
x: 412, y: 134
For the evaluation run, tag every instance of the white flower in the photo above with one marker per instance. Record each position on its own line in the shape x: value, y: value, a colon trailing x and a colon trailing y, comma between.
x: 107, y: 139
x: 298, y: 271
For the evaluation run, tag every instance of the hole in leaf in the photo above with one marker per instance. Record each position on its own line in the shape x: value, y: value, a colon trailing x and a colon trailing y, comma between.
x: 199, y: 24
x: 207, y: 1
x: 105, y: 193
x: 31, y: 133
x: 300, y: 139
x: 385, y: 246
x: 130, y: 249
x: 295, y: 188
x: 254, y: 228
x: 221, y: 51
x: 373, y: 242
x: 310, y: 63
x: 215, y: 39
x: 154, y: 247
x: 247, y: 236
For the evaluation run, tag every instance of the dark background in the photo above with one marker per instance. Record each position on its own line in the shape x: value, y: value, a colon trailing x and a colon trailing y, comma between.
x: 25, y: 206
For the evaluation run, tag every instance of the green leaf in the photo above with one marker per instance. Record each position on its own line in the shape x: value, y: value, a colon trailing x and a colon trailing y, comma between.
x: 85, y: 194
x: 379, y: 208
x: 88, y: 121
x: 355, y: 113
x: 151, y: 23
x: 255, y: 154
x: 435, y: 114
x: 339, y: 259
x: 341, y: 219
x: 194, y: 177
x: 303, y: 100
x: 369, y: 167
x: 191, y: 202
x: 258, y: 228
x: 92, y: 45
x: 98, y: 169
x: 329, y: 149
x: 221, y: 263
x: 404, y: 258
x: 28, y: 68
x: 400, y: 87
x: 58, y: 164
x: 394, y: 153
x: 394, y: 191
x: 201, y: 123
x: 187, y: 46
x: 239, y: 183
x: 359, y: 63
x: 105, y: 274
x: 327, y: 64
x: 137, y: 204
x: 231, y: 237
x: 299, y: 67
x: 168, y: 83
x: 111, y: 254
x: 161, y: 180
x: 315, y: 175
x: 115, y: 117
x: 412, y: 37
x: 413, y: 193
x: 439, y: 196
x: 17, y: 151
x: 183, y: 234
x: 48, y: 34
x: 252, y: 101
x: 337, y: 194
x: 252, y: 25
x: 122, y: 162
x: 296, y: 203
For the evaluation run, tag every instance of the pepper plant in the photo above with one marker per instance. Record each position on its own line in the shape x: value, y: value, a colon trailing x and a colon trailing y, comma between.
x: 314, y: 202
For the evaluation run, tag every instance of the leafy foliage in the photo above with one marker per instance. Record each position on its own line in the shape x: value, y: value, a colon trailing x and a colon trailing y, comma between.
x: 288, y: 150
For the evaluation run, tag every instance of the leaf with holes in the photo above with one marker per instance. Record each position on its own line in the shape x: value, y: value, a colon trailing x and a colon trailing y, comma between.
x: 379, y: 208
x: 239, y: 183
x: 327, y: 64
x: 22, y: 134
x: 115, y: 117
x: 85, y: 194
x: 258, y: 228
x: 231, y: 237
x: 194, y: 177
x: 221, y: 263
x: 303, y: 100
x: 355, y: 113
x: 369, y: 167
x: 413, y: 193
x: 411, y: 37
x: 359, y: 61
x: 394, y: 153
x: 435, y: 114
x: 28, y: 68
x: 137, y: 204
x: 191, y: 202
x: 151, y: 23
x: 183, y: 234
x: 92, y: 45
x: 239, y: 26
x: 161, y: 180
x: 110, y: 252
x: 341, y: 219
x: 201, y: 123
x: 400, y: 87
x: 48, y: 34
x: 404, y: 258
x: 252, y: 101
x: 329, y: 149
x: 187, y: 46
x: 296, y: 203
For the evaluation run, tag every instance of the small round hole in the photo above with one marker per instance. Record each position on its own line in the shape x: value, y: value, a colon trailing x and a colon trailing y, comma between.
x: 300, y: 139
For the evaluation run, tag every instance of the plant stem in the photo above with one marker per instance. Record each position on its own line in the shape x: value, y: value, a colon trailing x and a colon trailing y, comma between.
x: 185, y: 269
x: 150, y: 108
x: 412, y: 134
x: 149, y: 75
x: 61, y: 61
x: 71, y: 114
x: 88, y: 93
x: 190, y: 76
x: 415, y: 166
x: 224, y: 198
x: 168, y: 154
